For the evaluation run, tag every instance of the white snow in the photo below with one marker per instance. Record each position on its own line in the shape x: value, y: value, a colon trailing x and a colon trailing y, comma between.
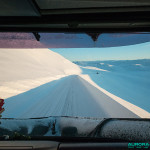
x: 24, y: 69
x: 137, y: 64
x: 135, y: 109
x: 124, y: 80
x: 110, y: 65
x: 41, y: 83
x: 93, y: 68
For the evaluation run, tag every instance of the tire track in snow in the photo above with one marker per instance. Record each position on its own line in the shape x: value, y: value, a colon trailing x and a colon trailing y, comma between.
x: 69, y: 96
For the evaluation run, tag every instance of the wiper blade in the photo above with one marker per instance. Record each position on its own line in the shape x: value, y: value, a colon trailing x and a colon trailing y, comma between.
x: 97, y: 130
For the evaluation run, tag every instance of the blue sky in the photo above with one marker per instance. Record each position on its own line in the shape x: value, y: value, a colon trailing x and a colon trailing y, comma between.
x: 131, y: 52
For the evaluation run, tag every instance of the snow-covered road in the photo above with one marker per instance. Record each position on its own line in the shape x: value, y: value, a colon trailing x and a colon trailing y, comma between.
x: 42, y: 83
x: 68, y: 96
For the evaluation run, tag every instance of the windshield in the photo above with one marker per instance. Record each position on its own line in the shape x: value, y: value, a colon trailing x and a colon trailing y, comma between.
x: 85, y: 77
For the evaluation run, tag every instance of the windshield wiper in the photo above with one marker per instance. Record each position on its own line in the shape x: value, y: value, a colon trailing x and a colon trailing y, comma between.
x: 97, y: 130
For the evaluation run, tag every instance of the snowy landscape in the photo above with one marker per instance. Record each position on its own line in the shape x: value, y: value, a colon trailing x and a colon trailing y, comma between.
x: 127, y: 79
x: 41, y: 83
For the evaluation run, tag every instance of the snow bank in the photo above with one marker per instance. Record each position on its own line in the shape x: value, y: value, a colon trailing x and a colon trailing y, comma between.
x: 93, y: 68
x: 24, y: 69
x: 133, y: 108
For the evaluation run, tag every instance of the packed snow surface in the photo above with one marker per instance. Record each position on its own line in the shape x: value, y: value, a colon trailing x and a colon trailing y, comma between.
x: 41, y: 83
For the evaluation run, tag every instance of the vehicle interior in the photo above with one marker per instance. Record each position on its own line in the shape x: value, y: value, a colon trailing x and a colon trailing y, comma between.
x: 83, y: 27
